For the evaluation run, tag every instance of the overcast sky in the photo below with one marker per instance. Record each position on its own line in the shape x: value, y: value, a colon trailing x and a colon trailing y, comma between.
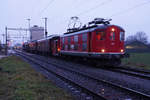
x: 132, y: 15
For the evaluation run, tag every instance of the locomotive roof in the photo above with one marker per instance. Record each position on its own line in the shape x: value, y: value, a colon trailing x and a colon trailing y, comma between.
x: 90, y: 29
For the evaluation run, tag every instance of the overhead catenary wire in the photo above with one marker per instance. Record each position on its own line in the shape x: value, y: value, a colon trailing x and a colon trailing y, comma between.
x: 98, y: 6
x: 39, y: 14
x: 46, y: 7
x: 129, y: 9
x: 82, y: 13
x: 82, y: 3
x: 95, y: 7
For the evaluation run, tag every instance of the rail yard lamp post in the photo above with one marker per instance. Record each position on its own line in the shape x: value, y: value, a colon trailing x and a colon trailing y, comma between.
x: 6, y: 41
x: 45, y: 26
x: 29, y: 28
x: 3, y: 38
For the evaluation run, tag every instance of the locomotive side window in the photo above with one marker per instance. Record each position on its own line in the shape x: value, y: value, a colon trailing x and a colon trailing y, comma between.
x: 100, y: 35
x: 63, y: 40
x: 112, y: 36
x: 69, y: 40
x: 72, y: 47
x: 84, y: 37
x: 84, y: 42
x: 66, y: 47
x: 66, y: 41
x: 84, y: 46
x: 121, y: 36
x: 69, y: 43
x: 76, y: 46
x: 76, y: 38
x: 76, y: 42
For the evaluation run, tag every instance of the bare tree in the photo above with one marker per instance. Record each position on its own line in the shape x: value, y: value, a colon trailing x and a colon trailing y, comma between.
x: 130, y: 38
x: 139, y: 36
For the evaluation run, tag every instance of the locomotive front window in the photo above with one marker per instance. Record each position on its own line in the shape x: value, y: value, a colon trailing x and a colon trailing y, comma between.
x: 112, y: 36
x: 100, y: 35
x: 121, y: 36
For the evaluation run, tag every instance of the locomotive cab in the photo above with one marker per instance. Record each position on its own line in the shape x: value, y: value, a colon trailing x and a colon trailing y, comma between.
x: 109, y: 40
x: 102, y: 42
x: 115, y: 40
x: 107, y: 43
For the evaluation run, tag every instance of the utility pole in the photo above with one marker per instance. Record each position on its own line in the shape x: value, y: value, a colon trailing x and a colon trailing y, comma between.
x: 29, y: 28
x: 6, y: 41
x: 45, y: 26
x: 3, y: 38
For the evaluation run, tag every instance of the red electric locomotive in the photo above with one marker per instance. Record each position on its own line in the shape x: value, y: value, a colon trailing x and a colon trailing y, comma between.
x: 101, y: 42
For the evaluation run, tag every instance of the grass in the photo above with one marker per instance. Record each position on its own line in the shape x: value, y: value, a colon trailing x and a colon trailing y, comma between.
x: 18, y: 81
x: 141, y: 60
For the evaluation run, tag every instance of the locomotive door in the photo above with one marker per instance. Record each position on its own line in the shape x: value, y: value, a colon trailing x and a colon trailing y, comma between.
x: 98, y: 41
x: 55, y: 52
x: 112, y: 40
x: 89, y: 41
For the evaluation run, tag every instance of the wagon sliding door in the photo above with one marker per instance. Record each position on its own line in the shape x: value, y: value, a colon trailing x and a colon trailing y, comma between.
x: 55, y: 47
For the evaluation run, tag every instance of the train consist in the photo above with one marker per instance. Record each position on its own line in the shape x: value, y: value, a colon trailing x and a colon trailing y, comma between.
x: 99, y: 42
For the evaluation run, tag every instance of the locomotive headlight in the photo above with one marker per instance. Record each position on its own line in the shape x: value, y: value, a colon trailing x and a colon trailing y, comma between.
x: 103, y: 50
x: 113, y: 29
x: 121, y: 50
x: 58, y: 49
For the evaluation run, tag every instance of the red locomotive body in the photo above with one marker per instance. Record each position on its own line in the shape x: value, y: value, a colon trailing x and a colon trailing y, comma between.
x: 100, y: 42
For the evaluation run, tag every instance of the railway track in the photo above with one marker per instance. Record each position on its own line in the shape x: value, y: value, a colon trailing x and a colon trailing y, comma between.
x: 133, y: 72
x: 141, y: 73
x: 60, y: 74
x: 99, y: 89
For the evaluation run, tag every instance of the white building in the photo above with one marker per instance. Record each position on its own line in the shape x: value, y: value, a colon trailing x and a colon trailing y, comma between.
x: 36, y: 32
